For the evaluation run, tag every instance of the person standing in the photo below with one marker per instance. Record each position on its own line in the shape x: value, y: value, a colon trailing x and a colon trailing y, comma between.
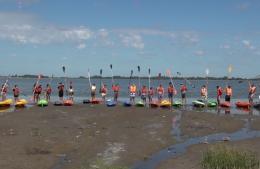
x: 144, y: 94
x: 183, y: 94
x: 204, y: 93
x: 132, y: 93
x: 48, y: 91
x: 229, y: 93
x: 103, y: 92
x: 160, y: 92
x: 4, y: 90
x: 38, y: 92
x: 219, y: 94
x: 93, y: 91
x: 116, y: 89
x: 251, y: 93
x: 71, y: 92
x: 61, y: 91
x: 171, y: 91
x: 16, y: 93
x: 150, y: 95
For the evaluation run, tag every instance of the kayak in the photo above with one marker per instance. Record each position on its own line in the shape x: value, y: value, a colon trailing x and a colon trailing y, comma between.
x: 110, y: 103
x: 177, y: 103
x: 96, y: 101
x: 21, y: 103
x: 154, y: 104
x: 198, y: 103
x: 140, y: 104
x: 68, y: 102
x: 42, y: 103
x: 165, y: 104
x: 6, y: 103
x: 212, y: 103
x: 127, y: 104
x: 225, y: 104
x: 257, y: 106
x: 58, y: 103
x: 243, y: 104
x: 86, y: 101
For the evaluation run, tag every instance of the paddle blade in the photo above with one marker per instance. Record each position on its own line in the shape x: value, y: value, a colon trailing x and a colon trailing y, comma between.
x: 100, y: 72
x: 132, y: 72
x: 111, y: 66
x: 138, y: 67
x: 149, y: 71
x: 63, y: 69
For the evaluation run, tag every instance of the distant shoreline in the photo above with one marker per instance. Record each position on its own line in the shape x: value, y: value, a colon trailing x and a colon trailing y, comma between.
x: 135, y: 77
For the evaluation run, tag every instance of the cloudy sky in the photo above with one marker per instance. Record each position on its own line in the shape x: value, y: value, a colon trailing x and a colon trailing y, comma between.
x: 39, y: 36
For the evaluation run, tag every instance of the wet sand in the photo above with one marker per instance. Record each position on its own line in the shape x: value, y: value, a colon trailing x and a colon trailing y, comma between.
x: 75, y: 137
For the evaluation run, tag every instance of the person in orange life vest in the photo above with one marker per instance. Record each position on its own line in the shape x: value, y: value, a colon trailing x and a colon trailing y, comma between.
x: 116, y: 90
x: 150, y: 95
x: 171, y: 91
x: 183, y: 94
x: 160, y: 92
x: 48, y: 91
x: 38, y: 92
x: 16, y: 93
x: 4, y: 90
x: 61, y: 91
x: 204, y: 92
x: 144, y: 93
x: 103, y: 92
x: 132, y: 92
x: 251, y: 93
x: 219, y: 94
x: 229, y: 93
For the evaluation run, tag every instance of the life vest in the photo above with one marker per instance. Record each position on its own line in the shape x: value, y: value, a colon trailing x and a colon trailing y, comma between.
x: 219, y: 92
x: 144, y: 91
x: 252, y: 90
x: 48, y: 90
x: 38, y: 89
x: 4, y: 90
x: 150, y: 92
x: 229, y: 91
x: 103, y: 90
x: 115, y: 88
x: 203, y: 91
x: 172, y: 90
x: 16, y: 91
x: 133, y: 89
x: 183, y: 89
x: 160, y: 90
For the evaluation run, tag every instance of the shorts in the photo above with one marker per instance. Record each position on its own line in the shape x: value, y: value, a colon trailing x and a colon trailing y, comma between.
x: 16, y: 96
x: 170, y: 95
x: 143, y: 97
x: 183, y: 95
x: 132, y: 94
x: 116, y: 95
x: 160, y: 96
x: 60, y: 93
x: 93, y: 94
x: 227, y: 98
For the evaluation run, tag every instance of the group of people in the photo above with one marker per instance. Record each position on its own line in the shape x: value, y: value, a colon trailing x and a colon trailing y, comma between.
x: 145, y: 93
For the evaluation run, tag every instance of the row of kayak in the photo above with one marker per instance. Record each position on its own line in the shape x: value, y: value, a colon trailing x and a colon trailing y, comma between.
x: 111, y: 103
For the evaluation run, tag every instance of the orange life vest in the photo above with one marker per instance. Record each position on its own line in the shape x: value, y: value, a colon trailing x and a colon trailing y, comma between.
x: 133, y: 89
x: 160, y: 90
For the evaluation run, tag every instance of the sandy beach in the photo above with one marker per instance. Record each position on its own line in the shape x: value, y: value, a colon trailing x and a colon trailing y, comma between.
x: 78, y: 136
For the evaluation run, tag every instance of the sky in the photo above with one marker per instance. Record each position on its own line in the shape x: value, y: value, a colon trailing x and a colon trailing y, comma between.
x: 187, y: 36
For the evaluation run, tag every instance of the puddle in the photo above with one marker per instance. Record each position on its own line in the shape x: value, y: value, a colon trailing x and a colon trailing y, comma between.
x: 176, y: 122
x: 178, y: 149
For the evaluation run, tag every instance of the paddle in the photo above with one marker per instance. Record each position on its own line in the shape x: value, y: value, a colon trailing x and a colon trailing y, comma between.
x: 159, y: 78
x: 36, y: 84
x: 89, y: 80
x: 230, y: 69
x: 149, y: 79
x: 139, y: 82
x: 65, y: 79
x: 168, y: 72
x: 130, y: 80
x: 100, y: 73
x: 5, y: 84
x: 112, y: 77
x: 207, y: 74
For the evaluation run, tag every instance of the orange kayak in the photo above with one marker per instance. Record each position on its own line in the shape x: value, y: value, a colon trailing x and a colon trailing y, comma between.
x: 225, y: 104
x: 243, y: 104
x: 68, y: 102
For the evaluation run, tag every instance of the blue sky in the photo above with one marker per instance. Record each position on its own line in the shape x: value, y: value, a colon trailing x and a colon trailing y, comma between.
x: 39, y: 36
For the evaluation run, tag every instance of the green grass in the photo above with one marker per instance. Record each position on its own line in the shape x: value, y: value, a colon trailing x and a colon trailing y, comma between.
x: 99, y: 164
x: 223, y: 157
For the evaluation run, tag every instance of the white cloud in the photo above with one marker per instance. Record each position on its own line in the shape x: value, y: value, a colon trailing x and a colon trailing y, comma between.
x: 199, y: 52
x: 81, y: 46
x: 248, y: 44
x: 132, y: 40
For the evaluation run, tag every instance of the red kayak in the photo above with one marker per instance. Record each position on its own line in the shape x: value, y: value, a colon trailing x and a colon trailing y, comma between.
x: 225, y: 104
x: 243, y: 104
x: 68, y: 102
x: 96, y: 101
x: 154, y: 104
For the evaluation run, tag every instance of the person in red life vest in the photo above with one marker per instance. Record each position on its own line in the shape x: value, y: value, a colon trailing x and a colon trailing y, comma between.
x: 34, y: 92
x: 4, y: 90
x: 132, y: 93
x: 48, y: 91
x: 144, y: 93
x: 150, y: 95
x: 38, y: 92
x: 116, y: 89
x: 160, y: 92
x: 204, y: 92
x: 171, y: 92
x: 251, y: 93
x: 183, y: 94
x: 61, y: 91
x: 219, y: 94
x: 229, y: 93
x: 16, y: 93
x: 103, y: 92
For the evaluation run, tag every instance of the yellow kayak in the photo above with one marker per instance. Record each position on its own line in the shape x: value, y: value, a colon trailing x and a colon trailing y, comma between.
x: 165, y: 103
x: 6, y: 103
x: 21, y: 103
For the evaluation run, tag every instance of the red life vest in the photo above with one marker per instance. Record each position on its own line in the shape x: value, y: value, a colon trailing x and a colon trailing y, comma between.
x: 103, y: 90
x: 16, y: 91
x: 144, y: 91
x: 219, y: 91
x: 183, y: 89
x: 48, y: 90
x: 116, y: 88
